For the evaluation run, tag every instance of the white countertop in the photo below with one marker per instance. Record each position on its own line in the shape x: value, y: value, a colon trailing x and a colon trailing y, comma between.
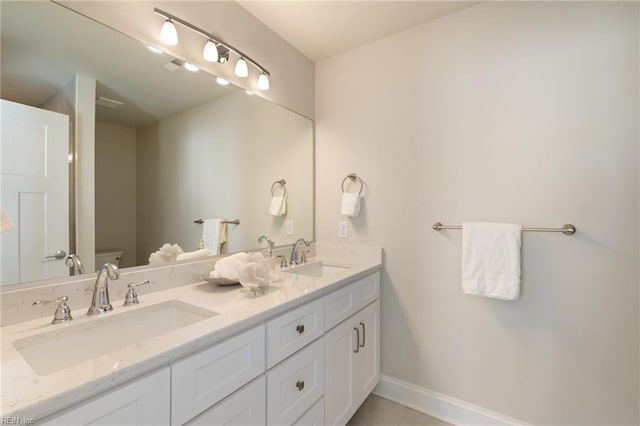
x: 25, y: 394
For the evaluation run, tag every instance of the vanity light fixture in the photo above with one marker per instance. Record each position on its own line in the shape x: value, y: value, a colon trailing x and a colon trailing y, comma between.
x: 242, y: 70
x: 169, y: 35
x: 191, y: 67
x: 210, y: 52
x: 221, y: 81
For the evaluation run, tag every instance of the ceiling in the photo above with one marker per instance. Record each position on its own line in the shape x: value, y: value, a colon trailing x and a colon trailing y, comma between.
x: 321, y: 29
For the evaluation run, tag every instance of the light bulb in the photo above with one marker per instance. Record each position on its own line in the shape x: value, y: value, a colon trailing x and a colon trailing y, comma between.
x: 263, y: 82
x: 221, y: 81
x: 191, y: 67
x: 242, y: 70
x: 210, y: 52
x: 168, y: 33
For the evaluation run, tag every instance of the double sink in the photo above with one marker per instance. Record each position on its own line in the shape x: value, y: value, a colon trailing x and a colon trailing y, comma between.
x: 71, y: 344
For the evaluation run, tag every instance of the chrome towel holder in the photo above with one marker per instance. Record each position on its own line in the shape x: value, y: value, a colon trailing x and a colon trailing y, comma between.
x: 567, y: 229
x: 352, y: 177
x: 231, y: 222
x: 282, y: 183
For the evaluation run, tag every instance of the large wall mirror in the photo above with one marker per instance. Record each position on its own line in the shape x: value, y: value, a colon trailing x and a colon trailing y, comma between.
x: 168, y: 147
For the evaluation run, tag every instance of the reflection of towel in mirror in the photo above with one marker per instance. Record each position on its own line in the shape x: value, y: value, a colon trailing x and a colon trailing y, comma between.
x: 214, y: 234
x: 278, y: 205
x: 195, y: 254
x: 166, y: 253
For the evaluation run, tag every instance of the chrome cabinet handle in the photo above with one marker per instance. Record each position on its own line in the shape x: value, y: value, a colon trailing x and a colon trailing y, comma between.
x: 300, y: 329
x: 357, y: 349
x: 60, y: 254
x: 364, y: 335
x: 300, y: 384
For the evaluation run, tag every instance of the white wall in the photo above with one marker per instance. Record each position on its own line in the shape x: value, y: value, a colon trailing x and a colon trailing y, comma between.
x: 516, y: 112
x: 116, y: 190
x: 292, y: 74
x: 219, y: 160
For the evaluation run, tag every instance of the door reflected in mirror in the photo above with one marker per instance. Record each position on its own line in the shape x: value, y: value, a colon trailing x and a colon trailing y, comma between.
x: 169, y: 147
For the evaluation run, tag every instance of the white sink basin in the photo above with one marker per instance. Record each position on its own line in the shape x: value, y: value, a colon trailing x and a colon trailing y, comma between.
x: 318, y: 269
x: 67, y: 346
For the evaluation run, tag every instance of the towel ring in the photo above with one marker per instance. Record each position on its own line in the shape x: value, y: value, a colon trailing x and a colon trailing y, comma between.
x: 352, y: 177
x: 280, y: 182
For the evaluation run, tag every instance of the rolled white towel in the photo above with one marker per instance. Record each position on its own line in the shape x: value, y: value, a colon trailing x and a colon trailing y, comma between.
x: 166, y: 253
x: 255, y: 274
x: 226, y: 269
x: 195, y: 254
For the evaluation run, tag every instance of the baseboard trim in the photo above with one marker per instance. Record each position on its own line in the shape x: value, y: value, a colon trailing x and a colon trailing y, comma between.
x: 435, y: 404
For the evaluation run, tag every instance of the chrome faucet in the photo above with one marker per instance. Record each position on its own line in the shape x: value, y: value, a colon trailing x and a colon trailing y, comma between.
x: 294, y: 251
x: 100, y: 302
x: 73, y: 261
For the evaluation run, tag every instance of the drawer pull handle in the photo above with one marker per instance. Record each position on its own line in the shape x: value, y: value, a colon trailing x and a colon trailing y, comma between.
x: 357, y: 349
x: 300, y: 384
x: 364, y: 335
x: 300, y: 329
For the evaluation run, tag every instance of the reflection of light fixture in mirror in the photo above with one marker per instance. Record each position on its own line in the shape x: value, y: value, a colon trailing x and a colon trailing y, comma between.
x: 248, y: 92
x: 210, y: 52
x: 168, y: 33
x: 216, y: 48
x: 154, y: 49
x: 221, y: 81
x: 242, y: 70
x: 191, y: 67
x: 263, y: 82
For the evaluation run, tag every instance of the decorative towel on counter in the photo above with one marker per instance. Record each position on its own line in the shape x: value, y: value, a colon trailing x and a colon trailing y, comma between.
x: 278, y: 205
x: 350, y: 204
x: 491, y: 259
x: 195, y: 254
x: 256, y: 272
x: 214, y: 235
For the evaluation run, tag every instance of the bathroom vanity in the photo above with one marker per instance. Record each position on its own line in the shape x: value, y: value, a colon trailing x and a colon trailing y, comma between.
x: 306, y: 353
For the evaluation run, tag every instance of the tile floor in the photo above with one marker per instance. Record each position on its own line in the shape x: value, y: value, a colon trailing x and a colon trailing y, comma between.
x: 377, y: 411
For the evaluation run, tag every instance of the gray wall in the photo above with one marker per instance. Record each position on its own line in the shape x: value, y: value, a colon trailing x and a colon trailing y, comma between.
x: 508, y: 112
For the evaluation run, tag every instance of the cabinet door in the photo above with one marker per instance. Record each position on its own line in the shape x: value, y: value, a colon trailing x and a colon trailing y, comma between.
x: 314, y: 416
x: 145, y: 401
x: 340, y: 375
x: 246, y: 406
x: 368, y: 357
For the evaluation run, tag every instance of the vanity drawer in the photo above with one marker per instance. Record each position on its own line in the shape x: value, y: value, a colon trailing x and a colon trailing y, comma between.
x: 345, y: 302
x: 314, y: 416
x: 246, y: 406
x: 295, y: 385
x: 294, y: 330
x: 203, y: 379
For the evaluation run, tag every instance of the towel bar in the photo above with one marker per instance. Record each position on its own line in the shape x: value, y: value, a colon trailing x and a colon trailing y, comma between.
x: 566, y: 229
x: 232, y: 222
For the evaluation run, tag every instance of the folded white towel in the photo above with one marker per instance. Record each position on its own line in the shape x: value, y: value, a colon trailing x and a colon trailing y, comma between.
x: 350, y: 204
x: 491, y: 259
x: 278, y: 205
x: 214, y: 235
x: 166, y: 253
x: 255, y: 274
x: 195, y: 254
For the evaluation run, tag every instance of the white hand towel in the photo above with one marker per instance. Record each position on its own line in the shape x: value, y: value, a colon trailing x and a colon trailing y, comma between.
x: 350, y: 204
x: 214, y: 234
x: 491, y: 259
x: 278, y: 205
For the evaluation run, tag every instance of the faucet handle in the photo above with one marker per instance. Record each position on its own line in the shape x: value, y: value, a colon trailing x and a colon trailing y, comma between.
x: 63, y: 311
x: 132, y: 295
x: 283, y: 261
x: 303, y: 257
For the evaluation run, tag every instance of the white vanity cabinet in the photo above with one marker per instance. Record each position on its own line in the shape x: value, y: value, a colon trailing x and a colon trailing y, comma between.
x: 352, y: 367
x: 145, y: 401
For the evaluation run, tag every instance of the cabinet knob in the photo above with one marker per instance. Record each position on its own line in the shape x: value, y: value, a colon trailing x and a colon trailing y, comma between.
x: 300, y: 384
x: 300, y: 329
